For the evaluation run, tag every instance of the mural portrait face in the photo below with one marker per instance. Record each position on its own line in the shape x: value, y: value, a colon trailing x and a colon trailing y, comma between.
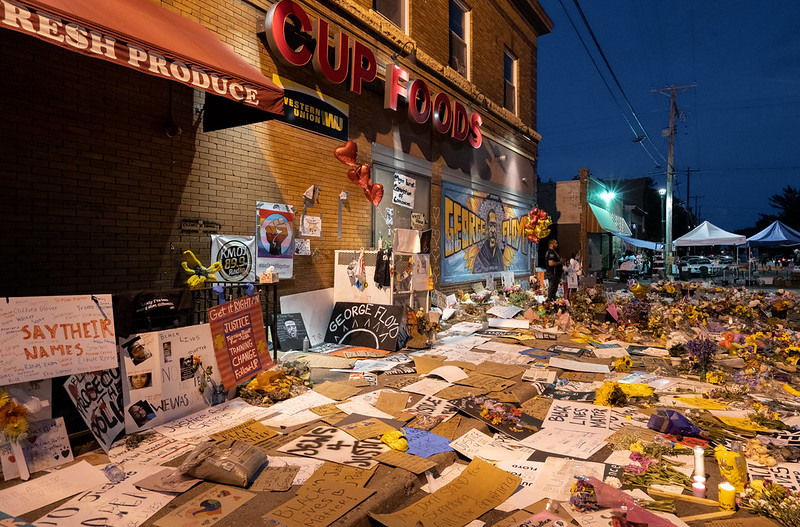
x: 491, y: 228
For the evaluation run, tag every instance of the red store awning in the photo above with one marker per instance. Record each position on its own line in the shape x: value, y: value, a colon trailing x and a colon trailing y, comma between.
x: 148, y: 38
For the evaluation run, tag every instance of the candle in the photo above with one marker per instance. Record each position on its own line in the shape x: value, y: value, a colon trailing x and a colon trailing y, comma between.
x: 699, y: 489
x: 699, y: 461
x: 727, y: 496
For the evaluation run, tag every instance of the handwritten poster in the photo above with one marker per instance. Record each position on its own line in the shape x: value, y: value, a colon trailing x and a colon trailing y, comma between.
x: 158, y: 380
x: 275, y: 227
x: 786, y: 474
x: 112, y: 504
x: 196, y: 427
x: 332, y: 444
x: 240, y: 342
x: 320, y: 503
x: 48, y: 336
x: 433, y: 406
x: 50, y: 488
x: 578, y: 417
x: 98, y: 398
x: 46, y: 446
x: 154, y: 449
x: 403, y: 191
x: 371, y: 325
x: 478, y: 489
x: 207, y: 508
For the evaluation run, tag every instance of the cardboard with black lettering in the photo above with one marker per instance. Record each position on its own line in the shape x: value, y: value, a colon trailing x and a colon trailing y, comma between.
x: 371, y: 325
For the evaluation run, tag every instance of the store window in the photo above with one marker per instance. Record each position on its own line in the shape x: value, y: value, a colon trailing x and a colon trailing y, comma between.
x: 510, y: 76
x: 459, y: 38
x: 394, y: 10
x: 409, y: 207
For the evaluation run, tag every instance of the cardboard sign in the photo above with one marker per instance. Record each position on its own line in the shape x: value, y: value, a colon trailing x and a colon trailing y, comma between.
x: 237, y: 254
x: 786, y: 474
x: 578, y: 417
x: 98, y: 398
x: 48, y: 336
x: 332, y: 444
x: 154, y: 449
x: 478, y: 489
x: 371, y: 325
x: 240, y: 342
x: 45, y: 446
x: 158, y: 382
x: 196, y: 427
x: 403, y: 191
x: 433, y: 406
x: 291, y: 331
x: 320, y: 503
x: 207, y: 508
x: 275, y: 227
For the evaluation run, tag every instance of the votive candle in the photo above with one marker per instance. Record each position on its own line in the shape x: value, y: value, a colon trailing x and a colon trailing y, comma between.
x: 727, y: 496
x: 699, y: 489
x: 699, y: 461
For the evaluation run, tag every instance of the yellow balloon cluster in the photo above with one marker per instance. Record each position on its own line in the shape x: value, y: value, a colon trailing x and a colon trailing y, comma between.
x: 537, y: 225
x: 199, y: 273
x: 639, y: 291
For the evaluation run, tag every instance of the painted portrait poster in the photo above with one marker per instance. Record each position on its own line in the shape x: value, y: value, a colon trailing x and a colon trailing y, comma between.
x: 481, y: 233
x: 275, y: 238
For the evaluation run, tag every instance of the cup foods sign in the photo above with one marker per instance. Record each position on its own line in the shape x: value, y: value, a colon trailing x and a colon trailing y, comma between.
x: 354, y: 60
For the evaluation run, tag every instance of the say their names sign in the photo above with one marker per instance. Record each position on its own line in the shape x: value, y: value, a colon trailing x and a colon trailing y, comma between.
x: 240, y: 342
x: 48, y: 336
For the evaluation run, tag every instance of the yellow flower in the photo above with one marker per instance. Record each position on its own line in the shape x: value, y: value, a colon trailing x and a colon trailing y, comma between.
x: 637, y: 390
x: 15, y: 427
x: 3, y: 398
x: 637, y: 447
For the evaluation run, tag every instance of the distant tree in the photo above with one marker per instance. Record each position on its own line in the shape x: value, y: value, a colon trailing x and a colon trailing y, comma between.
x: 788, y: 207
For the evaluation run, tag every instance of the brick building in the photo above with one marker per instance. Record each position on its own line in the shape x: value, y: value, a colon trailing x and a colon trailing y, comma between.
x: 105, y: 167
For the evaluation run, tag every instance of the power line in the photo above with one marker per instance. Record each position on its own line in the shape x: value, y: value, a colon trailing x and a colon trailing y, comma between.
x: 614, y: 76
x: 602, y: 78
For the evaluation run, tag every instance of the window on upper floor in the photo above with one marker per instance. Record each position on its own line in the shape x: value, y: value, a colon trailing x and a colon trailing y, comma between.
x: 510, y: 80
x: 395, y: 10
x: 459, y: 38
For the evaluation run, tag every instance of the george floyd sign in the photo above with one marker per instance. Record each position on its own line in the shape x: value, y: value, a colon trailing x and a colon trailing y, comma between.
x: 369, y: 325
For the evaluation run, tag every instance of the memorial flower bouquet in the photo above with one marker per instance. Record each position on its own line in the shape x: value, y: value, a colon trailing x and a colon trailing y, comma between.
x: 646, y: 471
x: 701, y: 351
x: 773, y: 501
x: 13, y: 417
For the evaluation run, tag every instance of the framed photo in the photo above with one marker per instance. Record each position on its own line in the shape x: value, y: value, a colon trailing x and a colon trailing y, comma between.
x: 291, y: 331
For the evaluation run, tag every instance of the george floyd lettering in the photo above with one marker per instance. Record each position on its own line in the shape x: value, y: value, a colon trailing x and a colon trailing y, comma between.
x: 370, y: 325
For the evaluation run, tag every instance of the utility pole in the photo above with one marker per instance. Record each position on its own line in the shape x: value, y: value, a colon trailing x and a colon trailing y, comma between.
x: 673, y: 111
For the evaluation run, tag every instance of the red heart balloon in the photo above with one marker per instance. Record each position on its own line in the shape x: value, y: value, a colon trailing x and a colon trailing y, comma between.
x: 542, y: 214
x: 533, y: 238
x: 352, y: 175
x: 347, y: 153
x: 364, y: 176
x: 374, y: 193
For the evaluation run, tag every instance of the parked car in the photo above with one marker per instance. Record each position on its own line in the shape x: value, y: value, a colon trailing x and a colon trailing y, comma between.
x: 696, y: 266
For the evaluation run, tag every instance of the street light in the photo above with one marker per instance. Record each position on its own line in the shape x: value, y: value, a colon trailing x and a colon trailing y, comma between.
x: 663, y: 193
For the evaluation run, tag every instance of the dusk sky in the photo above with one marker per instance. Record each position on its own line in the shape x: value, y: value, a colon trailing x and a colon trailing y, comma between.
x: 740, y: 125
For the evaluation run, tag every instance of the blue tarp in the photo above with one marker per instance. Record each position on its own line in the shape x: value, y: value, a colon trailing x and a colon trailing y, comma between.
x: 776, y: 235
x: 640, y: 243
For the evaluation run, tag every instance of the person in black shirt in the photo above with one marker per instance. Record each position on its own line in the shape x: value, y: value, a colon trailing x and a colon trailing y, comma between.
x: 554, y: 268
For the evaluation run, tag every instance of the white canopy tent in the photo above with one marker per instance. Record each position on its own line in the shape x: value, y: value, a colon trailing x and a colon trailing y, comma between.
x: 708, y: 234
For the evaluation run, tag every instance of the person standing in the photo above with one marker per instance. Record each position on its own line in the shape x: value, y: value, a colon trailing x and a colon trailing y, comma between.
x: 573, y: 270
x: 554, y: 268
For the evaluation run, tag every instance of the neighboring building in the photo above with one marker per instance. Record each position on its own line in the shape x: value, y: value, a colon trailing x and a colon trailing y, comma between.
x: 588, y: 215
x: 110, y: 174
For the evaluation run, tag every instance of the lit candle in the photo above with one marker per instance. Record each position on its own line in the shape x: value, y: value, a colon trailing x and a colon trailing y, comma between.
x: 727, y: 496
x: 699, y: 461
x: 699, y: 489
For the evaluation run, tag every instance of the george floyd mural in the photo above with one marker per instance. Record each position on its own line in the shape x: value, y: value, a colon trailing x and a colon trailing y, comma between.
x: 482, y: 233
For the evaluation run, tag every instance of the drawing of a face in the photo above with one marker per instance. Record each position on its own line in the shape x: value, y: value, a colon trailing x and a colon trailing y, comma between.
x: 491, y: 226
x: 291, y: 328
